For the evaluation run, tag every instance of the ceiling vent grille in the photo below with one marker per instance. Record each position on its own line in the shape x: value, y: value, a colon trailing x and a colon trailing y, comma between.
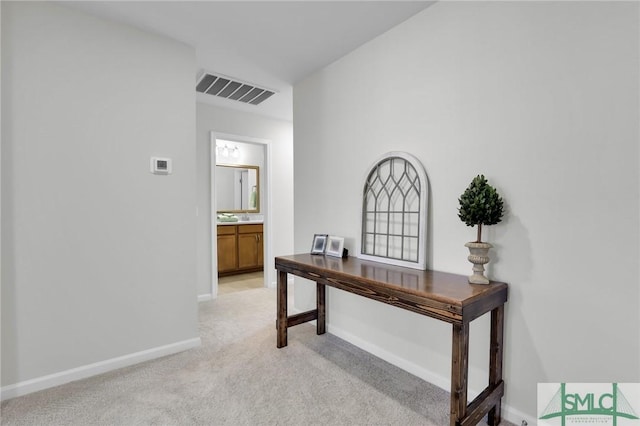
x: 228, y: 88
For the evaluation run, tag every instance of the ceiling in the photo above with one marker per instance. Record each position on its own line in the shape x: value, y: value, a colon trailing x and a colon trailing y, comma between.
x: 270, y: 44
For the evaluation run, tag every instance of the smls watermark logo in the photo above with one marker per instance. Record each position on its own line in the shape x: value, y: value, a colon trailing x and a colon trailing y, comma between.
x: 564, y: 404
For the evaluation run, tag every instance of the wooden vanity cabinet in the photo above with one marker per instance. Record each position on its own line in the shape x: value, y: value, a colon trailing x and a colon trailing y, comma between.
x: 227, y: 249
x: 250, y: 247
x: 240, y: 248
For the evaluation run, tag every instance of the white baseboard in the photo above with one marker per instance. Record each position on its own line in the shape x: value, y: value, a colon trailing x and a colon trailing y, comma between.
x: 205, y: 297
x: 516, y: 417
x: 60, y: 378
x: 508, y: 413
x: 417, y: 370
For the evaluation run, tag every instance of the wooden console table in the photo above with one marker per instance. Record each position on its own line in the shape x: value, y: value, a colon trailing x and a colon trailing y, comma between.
x: 439, y: 295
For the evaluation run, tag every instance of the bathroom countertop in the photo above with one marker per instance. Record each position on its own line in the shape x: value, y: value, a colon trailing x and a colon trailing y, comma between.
x: 242, y: 222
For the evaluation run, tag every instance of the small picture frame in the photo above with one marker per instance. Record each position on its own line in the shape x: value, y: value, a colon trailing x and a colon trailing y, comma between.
x: 319, y: 243
x: 335, y: 246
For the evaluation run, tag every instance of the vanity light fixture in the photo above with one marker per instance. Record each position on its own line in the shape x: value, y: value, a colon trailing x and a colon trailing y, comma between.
x: 225, y: 151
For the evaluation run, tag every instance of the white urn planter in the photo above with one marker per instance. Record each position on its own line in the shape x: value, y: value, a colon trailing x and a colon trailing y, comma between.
x: 479, y: 256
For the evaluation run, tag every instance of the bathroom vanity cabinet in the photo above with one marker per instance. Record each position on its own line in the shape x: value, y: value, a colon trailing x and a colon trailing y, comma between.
x: 240, y: 248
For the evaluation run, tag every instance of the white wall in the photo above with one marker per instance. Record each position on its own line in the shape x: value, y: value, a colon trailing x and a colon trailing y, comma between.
x: 543, y: 99
x: 98, y: 254
x: 280, y: 134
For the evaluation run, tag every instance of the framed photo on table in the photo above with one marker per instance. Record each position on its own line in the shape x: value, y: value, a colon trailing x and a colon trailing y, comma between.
x: 319, y: 243
x: 335, y: 246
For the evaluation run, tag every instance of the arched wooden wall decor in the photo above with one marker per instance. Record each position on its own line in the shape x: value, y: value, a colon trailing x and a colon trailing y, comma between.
x: 394, y: 211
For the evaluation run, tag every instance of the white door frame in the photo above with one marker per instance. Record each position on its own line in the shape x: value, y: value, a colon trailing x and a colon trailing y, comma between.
x: 265, y: 206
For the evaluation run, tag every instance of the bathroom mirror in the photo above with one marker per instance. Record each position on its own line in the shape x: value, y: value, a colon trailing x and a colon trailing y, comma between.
x: 237, y: 188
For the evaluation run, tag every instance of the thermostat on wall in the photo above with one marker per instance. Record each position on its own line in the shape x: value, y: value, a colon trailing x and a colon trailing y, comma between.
x: 160, y: 166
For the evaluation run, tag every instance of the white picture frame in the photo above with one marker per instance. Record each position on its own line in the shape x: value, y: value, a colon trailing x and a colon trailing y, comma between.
x: 319, y: 244
x: 335, y: 246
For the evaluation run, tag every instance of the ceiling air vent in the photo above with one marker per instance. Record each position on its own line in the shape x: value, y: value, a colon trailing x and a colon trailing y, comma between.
x: 228, y: 88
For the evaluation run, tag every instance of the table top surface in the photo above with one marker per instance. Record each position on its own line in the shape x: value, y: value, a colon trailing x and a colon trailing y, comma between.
x: 442, y: 286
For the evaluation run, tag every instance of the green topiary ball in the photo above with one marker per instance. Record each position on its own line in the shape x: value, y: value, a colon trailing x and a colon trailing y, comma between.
x: 480, y: 204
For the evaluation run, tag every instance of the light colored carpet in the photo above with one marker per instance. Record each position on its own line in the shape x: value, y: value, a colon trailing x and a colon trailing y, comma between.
x: 239, y: 377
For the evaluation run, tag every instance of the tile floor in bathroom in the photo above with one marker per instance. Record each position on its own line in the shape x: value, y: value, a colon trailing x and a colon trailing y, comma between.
x: 240, y: 282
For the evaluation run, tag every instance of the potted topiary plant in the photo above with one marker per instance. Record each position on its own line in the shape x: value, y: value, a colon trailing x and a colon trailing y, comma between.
x: 480, y: 205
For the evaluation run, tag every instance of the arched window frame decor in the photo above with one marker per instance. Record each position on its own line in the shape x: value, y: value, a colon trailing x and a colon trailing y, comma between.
x: 391, y: 190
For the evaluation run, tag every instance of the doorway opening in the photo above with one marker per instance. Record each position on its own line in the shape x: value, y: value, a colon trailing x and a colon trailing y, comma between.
x: 241, y: 228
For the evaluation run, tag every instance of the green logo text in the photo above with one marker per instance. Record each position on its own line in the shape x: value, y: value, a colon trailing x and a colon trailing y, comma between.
x: 565, y: 404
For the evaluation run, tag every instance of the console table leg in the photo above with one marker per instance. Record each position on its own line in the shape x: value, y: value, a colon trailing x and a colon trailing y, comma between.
x: 320, y: 305
x: 495, y: 359
x: 282, y: 310
x: 459, y: 372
